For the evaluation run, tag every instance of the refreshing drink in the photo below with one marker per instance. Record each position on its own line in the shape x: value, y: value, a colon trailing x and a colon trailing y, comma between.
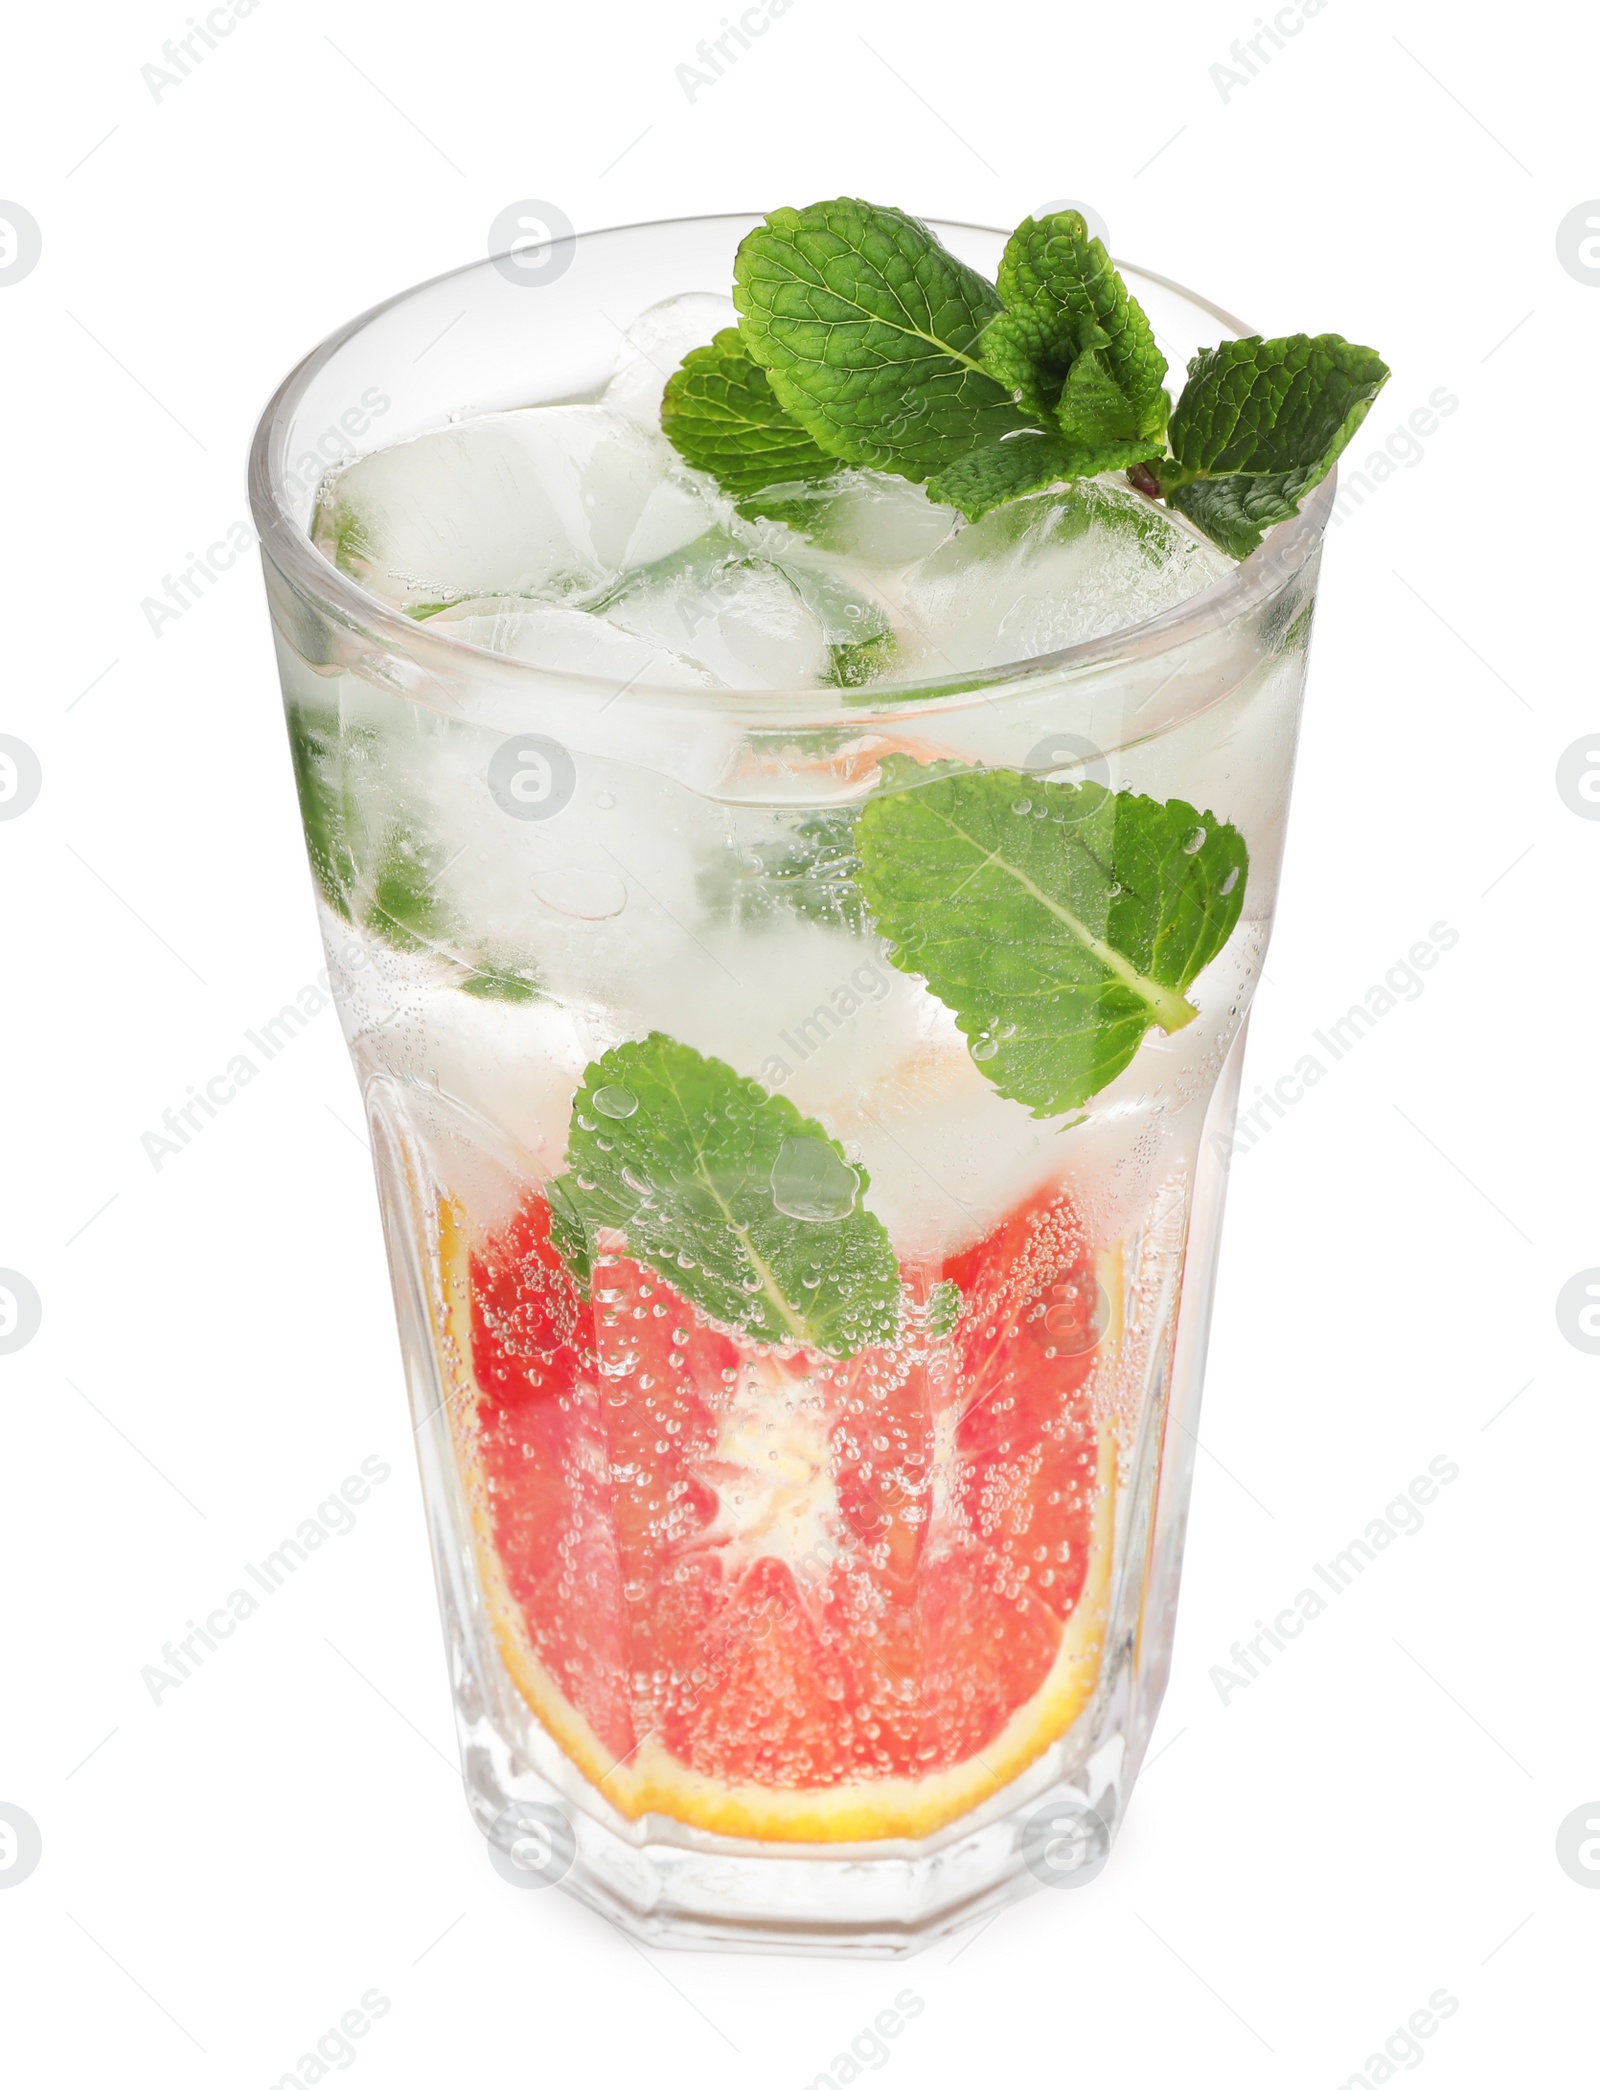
x: 794, y: 878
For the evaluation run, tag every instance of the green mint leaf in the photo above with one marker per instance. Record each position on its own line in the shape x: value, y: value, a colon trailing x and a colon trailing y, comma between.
x: 1024, y: 464
x: 1072, y: 343
x: 722, y: 416
x: 1094, y: 411
x: 491, y: 980
x: 403, y: 908
x: 741, y: 1204
x: 869, y: 332
x: 1258, y: 425
x: 569, y: 1227
x: 1059, y: 922
x: 854, y: 663
x: 1237, y: 512
x: 328, y: 807
x: 341, y: 533
x: 944, y: 1308
x: 814, y: 874
x: 847, y: 616
x: 805, y: 870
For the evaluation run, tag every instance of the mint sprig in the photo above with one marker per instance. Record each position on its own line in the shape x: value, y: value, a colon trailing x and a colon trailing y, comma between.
x: 1075, y: 347
x: 1019, y: 464
x: 1259, y: 424
x: 741, y: 1204
x: 1060, y: 922
x: 869, y: 331
x: 883, y: 350
x: 724, y: 417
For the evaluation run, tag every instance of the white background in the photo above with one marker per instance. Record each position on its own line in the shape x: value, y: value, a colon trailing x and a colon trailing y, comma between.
x: 1373, y: 1818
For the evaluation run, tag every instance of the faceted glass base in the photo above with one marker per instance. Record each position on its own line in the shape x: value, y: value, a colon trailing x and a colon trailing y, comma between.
x: 671, y: 1886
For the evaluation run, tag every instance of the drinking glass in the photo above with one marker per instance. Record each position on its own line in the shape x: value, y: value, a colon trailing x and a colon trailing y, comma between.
x: 756, y: 1642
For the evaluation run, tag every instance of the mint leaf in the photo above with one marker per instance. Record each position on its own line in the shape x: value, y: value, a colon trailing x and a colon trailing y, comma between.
x: 1094, y: 410
x: 847, y: 616
x: 403, y: 908
x: 722, y: 416
x: 853, y: 663
x: 1058, y: 921
x: 490, y: 980
x: 805, y: 870
x: 1072, y: 343
x: 1258, y: 425
x: 329, y: 809
x: 944, y: 1308
x: 862, y: 341
x: 869, y: 332
x: 744, y: 1206
x: 1016, y: 465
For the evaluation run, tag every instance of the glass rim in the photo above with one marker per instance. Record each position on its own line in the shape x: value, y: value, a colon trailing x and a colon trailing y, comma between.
x: 1282, y: 551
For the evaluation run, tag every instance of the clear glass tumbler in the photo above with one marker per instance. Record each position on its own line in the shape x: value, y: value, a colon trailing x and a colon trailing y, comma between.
x: 760, y: 1638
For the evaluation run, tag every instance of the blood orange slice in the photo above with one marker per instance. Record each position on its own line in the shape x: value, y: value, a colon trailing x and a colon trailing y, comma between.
x: 767, y: 1593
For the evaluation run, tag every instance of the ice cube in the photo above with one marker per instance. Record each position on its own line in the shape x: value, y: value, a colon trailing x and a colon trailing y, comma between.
x: 1047, y: 572
x: 654, y: 346
x: 740, y: 616
x: 572, y: 641
x: 551, y: 502
x: 871, y: 518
